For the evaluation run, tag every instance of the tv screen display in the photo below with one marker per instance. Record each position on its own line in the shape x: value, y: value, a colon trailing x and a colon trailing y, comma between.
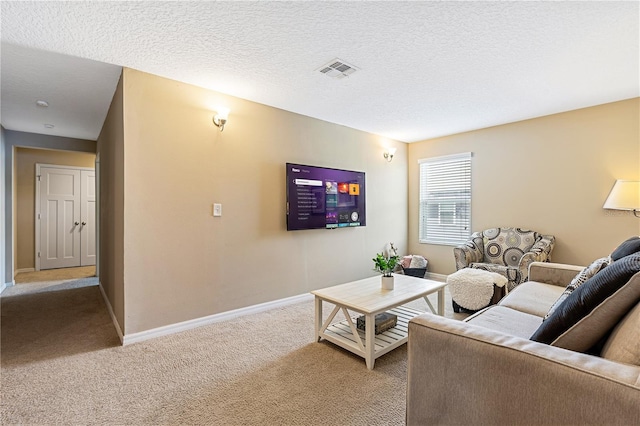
x: 320, y: 197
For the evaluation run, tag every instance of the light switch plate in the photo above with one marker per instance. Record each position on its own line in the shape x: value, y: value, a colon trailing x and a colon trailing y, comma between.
x: 217, y: 209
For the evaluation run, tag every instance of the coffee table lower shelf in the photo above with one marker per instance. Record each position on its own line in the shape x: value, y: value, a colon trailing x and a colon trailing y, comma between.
x: 340, y: 333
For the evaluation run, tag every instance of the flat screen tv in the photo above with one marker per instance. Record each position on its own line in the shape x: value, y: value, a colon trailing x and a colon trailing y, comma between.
x: 320, y: 197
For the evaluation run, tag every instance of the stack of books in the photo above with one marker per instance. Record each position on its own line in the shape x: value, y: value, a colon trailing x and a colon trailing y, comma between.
x: 384, y: 322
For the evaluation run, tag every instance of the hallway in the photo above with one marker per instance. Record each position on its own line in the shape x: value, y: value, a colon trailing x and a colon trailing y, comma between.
x: 46, y: 320
x: 56, y: 274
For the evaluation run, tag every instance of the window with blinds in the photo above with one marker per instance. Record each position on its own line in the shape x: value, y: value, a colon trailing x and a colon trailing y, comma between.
x: 445, y: 199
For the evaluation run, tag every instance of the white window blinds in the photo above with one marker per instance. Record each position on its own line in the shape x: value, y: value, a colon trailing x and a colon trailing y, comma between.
x: 445, y: 199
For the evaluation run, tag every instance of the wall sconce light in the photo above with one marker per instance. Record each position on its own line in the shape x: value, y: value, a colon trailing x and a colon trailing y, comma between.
x: 220, y: 118
x: 625, y: 195
x: 388, y: 154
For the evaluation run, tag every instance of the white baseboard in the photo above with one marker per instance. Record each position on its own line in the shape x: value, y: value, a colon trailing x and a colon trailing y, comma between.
x: 5, y: 286
x: 211, y: 319
x: 436, y: 277
x: 18, y: 271
x: 113, y: 316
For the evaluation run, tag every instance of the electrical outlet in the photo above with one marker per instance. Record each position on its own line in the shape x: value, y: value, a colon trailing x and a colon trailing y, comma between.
x: 217, y: 209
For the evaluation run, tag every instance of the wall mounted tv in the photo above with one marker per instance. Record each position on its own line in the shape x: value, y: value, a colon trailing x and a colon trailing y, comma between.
x: 319, y: 197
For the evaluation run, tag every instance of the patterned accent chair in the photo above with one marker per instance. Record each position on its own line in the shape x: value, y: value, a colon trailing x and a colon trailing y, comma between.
x: 507, y: 251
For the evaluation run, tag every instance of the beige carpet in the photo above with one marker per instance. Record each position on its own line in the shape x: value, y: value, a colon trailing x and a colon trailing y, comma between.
x: 61, y: 363
x: 56, y: 274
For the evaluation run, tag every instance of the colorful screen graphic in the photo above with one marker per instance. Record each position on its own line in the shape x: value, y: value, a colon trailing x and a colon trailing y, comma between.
x: 319, y: 197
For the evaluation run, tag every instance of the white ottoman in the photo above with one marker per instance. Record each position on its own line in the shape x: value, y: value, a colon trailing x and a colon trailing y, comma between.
x: 474, y: 289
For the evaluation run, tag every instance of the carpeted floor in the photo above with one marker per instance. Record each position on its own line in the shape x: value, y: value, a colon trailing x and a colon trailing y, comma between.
x: 61, y: 363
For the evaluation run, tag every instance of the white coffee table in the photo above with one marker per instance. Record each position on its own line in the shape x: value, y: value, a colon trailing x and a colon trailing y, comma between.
x: 367, y: 298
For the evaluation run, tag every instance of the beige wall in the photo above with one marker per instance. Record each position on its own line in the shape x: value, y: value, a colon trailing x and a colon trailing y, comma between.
x: 111, y: 170
x: 180, y: 262
x: 3, y: 259
x: 550, y: 174
x: 26, y: 159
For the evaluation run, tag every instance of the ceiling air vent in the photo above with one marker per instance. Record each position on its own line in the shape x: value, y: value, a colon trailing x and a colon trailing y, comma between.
x: 337, y: 69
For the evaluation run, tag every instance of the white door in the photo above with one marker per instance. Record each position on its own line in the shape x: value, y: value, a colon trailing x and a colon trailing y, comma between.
x: 87, y: 217
x: 59, y: 218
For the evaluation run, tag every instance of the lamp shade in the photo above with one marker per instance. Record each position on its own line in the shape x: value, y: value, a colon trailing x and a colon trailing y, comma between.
x: 625, y: 195
x: 223, y: 113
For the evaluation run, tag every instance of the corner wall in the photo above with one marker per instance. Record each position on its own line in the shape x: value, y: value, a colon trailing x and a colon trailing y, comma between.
x: 550, y: 174
x: 180, y: 262
x: 111, y: 216
x: 3, y: 260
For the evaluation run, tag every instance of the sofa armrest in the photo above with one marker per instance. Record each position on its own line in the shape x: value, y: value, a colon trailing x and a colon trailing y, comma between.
x: 459, y: 373
x: 558, y: 274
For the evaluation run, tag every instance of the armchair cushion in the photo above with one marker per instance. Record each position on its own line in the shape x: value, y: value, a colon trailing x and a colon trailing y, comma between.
x: 505, y: 246
x: 512, y: 274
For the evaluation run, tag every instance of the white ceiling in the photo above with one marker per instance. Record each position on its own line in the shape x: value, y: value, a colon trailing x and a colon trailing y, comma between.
x: 427, y: 69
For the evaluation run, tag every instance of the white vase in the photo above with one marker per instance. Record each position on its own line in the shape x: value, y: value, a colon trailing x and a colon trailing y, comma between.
x: 387, y: 283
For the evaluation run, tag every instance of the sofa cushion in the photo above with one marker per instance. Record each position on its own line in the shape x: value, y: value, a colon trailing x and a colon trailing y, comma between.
x: 532, y: 297
x: 624, y: 343
x: 594, y: 308
x: 630, y: 246
x: 588, y: 272
x: 505, y: 246
x: 506, y: 320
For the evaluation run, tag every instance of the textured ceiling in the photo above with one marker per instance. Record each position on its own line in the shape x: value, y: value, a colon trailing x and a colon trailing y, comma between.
x: 426, y: 69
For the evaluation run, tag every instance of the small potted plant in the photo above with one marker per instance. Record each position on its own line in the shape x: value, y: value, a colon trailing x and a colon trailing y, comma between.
x: 385, y: 264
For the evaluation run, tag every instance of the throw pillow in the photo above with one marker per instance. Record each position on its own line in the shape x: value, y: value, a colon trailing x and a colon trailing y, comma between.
x: 630, y: 246
x: 406, y: 261
x: 418, y: 262
x: 588, y: 272
x: 624, y: 343
x: 595, y: 307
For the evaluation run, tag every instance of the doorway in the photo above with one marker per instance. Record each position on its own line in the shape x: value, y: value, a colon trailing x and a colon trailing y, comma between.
x: 65, y: 217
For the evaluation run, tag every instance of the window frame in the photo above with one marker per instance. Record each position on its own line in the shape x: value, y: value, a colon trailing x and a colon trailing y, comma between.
x: 461, y: 193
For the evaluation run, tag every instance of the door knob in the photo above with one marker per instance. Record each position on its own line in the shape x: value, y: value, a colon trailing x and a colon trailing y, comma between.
x: 76, y: 223
x: 84, y: 223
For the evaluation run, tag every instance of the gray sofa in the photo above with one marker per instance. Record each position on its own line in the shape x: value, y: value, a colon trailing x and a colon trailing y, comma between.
x: 486, y: 370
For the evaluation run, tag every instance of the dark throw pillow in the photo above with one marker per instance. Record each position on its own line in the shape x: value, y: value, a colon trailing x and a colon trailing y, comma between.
x: 585, y: 305
x: 630, y: 246
x: 582, y: 277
